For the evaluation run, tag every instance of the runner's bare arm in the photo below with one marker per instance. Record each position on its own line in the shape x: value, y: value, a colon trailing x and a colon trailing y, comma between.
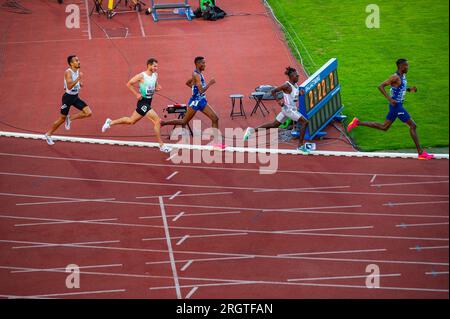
x: 132, y: 82
x: 69, y: 81
x: 198, y: 82
x: 284, y: 88
x: 382, y: 87
x: 190, y: 82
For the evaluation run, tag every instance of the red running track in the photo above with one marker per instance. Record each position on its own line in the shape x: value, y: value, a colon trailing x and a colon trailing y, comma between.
x: 308, y: 231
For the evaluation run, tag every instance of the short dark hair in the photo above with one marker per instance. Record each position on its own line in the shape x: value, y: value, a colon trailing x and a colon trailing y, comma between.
x: 69, y: 59
x: 401, y: 62
x: 289, y: 71
x: 151, y: 61
x: 198, y: 59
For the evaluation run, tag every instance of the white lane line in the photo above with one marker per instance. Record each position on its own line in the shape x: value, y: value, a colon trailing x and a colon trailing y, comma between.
x: 373, y: 179
x: 70, y: 294
x: 68, y: 222
x: 323, y: 229
x: 189, y: 295
x: 178, y: 216
x: 169, y: 247
x: 283, y: 232
x: 51, y: 197
x: 418, y: 225
x: 55, y: 245
x: 227, y: 254
x: 64, y: 268
x: 172, y: 175
x: 197, y: 236
x: 101, y: 200
x: 334, y: 252
x: 342, y: 277
x: 298, y: 189
x: 174, y: 195
x: 88, y: 19
x: 228, y: 169
x: 434, y: 273
x: 416, y: 203
x: 311, y: 208
x: 190, y: 262
x: 182, y: 240
x: 415, y: 183
x: 141, y: 25
x: 428, y: 247
x: 127, y: 182
x: 172, y: 156
x: 199, y: 260
x: 186, y: 195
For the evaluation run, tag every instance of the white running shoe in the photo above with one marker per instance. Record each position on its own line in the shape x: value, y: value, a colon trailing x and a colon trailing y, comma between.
x: 67, y: 122
x: 248, y: 133
x: 49, y: 139
x: 165, y: 149
x: 107, y: 125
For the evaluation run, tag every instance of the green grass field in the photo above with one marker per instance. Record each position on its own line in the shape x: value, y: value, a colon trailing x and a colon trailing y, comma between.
x: 416, y: 30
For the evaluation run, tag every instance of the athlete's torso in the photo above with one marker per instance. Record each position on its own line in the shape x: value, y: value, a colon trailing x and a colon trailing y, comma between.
x: 195, y: 92
x: 148, y: 85
x: 77, y: 87
x: 398, y: 93
x: 291, y: 99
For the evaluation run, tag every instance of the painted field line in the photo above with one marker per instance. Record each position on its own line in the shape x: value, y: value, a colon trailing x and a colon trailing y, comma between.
x: 101, y: 200
x: 312, y: 208
x: 418, y: 225
x: 51, y: 197
x: 415, y: 183
x: 70, y: 294
x: 434, y: 273
x: 189, y: 295
x: 88, y: 19
x: 323, y: 229
x: 373, y: 178
x: 141, y: 24
x: 218, y: 168
x: 171, y: 176
x: 428, y: 247
x: 185, y: 195
x: 211, y: 148
x: 406, y: 262
x: 127, y: 182
x: 177, y: 217
x: 64, y: 268
x: 67, y: 222
x: 174, y: 195
x: 334, y: 252
x: 199, y: 260
x: 190, y: 262
x: 416, y: 203
x: 183, y: 238
x: 169, y: 247
x: 342, y: 277
x: 55, y: 245
x: 299, y: 189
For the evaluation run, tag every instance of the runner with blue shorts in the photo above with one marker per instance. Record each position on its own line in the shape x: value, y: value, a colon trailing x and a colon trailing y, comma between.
x: 399, y: 87
x: 198, y: 101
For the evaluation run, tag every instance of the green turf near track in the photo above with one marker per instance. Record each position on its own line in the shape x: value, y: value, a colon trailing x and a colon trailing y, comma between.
x: 416, y: 30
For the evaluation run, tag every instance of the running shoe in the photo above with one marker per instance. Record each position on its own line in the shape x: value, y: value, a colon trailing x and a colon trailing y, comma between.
x: 67, y: 122
x: 107, y: 125
x: 248, y: 133
x: 304, y: 150
x: 425, y: 156
x: 49, y: 139
x: 353, y: 124
x: 165, y: 149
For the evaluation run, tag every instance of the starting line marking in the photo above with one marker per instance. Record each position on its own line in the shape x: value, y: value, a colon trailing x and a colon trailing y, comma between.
x: 211, y: 148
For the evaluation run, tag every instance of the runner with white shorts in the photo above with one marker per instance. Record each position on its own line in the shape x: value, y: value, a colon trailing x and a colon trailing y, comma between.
x: 289, y: 108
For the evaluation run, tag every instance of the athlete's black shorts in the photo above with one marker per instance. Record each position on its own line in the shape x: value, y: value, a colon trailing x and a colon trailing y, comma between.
x: 69, y: 100
x: 144, y: 106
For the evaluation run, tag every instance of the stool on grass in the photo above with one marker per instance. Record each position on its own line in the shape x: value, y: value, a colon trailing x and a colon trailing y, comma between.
x: 241, y: 111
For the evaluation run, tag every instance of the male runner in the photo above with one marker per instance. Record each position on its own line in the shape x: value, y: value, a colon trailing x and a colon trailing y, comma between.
x: 399, y: 88
x: 289, y: 105
x: 148, y: 85
x: 198, y: 100
x: 72, y: 85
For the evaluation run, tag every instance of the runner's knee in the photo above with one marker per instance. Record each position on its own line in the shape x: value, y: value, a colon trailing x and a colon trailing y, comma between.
x: 87, y: 113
